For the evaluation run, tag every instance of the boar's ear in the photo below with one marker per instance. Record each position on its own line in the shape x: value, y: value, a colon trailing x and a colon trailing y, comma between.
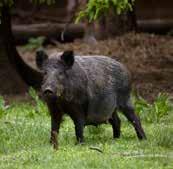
x: 68, y: 58
x: 41, y: 56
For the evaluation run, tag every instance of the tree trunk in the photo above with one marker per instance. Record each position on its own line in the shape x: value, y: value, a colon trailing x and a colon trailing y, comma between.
x: 14, y: 72
x: 51, y: 31
x: 10, y: 82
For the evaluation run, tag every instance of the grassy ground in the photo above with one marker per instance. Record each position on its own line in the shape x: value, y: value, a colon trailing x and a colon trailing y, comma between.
x: 24, y: 142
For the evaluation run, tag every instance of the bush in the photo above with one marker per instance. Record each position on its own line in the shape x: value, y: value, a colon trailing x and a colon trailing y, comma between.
x: 153, y: 112
x: 40, y: 106
x: 163, y: 136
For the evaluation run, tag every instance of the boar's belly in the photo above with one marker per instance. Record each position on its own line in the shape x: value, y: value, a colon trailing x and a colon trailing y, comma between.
x: 100, y: 111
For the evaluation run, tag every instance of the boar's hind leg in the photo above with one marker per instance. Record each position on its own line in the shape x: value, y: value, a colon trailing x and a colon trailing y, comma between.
x: 79, y: 127
x: 56, y: 117
x: 116, y: 124
x: 128, y: 111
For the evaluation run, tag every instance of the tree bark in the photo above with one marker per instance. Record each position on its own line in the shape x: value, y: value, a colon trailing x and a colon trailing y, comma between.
x: 14, y: 72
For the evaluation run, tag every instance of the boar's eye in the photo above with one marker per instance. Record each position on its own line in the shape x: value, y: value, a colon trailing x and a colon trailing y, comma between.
x: 44, y: 73
x: 60, y: 74
x: 63, y: 72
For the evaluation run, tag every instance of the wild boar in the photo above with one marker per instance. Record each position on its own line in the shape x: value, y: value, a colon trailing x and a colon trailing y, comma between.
x: 90, y: 89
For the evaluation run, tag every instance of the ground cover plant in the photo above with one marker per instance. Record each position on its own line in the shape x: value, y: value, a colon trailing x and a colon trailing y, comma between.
x: 24, y: 139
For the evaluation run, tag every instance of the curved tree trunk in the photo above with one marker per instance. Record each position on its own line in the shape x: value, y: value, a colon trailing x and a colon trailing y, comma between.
x: 14, y: 72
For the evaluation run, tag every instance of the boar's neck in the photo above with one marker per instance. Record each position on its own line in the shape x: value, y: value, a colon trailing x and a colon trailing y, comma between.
x: 76, y: 84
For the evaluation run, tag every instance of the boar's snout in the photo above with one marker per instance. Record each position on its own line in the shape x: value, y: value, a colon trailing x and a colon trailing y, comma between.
x: 48, y: 92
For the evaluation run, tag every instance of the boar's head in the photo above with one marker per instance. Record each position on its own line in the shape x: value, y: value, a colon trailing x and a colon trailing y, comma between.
x: 54, y: 71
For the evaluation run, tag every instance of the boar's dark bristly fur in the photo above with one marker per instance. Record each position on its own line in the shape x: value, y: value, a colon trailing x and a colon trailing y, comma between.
x: 89, y: 89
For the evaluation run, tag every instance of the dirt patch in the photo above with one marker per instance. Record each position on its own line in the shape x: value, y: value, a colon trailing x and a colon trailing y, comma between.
x: 149, y: 58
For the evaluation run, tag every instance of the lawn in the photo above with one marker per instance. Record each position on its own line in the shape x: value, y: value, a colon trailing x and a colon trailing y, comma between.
x: 24, y: 140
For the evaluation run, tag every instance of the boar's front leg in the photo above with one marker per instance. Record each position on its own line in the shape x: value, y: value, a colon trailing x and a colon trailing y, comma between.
x: 56, y: 117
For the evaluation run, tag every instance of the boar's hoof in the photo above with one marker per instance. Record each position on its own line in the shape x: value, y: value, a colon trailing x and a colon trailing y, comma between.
x: 53, y: 140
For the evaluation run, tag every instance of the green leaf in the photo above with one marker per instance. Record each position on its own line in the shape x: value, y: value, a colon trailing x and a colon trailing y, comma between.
x: 95, y: 8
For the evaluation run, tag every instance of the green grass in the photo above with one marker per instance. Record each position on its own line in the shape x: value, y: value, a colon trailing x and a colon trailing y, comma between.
x: 24, y: 142
x: 34, y: 43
